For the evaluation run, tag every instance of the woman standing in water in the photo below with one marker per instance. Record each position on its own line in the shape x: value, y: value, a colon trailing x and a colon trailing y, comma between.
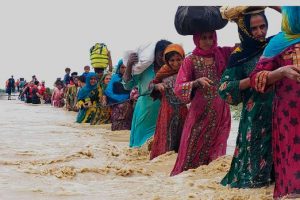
x: 118, y: 97
x: 58, y: 94
x: 103, y: 111
x: 252, y: 161
x: 86, y: 99
x: 71, y: 94
x: 146, y: 110
x: 172, y: 111
x: 279, y: 68
x: 207, y: 126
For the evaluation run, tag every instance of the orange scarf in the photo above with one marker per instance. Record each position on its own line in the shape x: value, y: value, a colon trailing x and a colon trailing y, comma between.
x: 166, y: 70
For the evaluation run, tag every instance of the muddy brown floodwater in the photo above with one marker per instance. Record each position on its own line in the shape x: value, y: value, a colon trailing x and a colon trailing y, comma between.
x: 45, y: 155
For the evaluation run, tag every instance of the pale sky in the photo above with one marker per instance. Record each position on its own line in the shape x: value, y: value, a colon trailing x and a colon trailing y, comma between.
x: 43, y: 37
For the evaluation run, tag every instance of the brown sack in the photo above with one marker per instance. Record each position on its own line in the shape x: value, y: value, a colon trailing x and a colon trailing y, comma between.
x: 231, y: 13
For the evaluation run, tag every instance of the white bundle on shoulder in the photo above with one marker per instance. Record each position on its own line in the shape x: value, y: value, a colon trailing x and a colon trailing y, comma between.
x: 145, y: 57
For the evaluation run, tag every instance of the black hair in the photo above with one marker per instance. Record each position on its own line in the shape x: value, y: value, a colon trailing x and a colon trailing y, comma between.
x: 247, y: 19
x: 158, y: 52
x: 74, y: 74
x: 99, y: 70
x: 161, y: 45
x: 58, y: 82
x: 67, y: 69
x: 81, y: 78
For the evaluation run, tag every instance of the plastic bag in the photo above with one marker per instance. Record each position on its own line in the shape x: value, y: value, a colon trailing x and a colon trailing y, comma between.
x: 190, y: 20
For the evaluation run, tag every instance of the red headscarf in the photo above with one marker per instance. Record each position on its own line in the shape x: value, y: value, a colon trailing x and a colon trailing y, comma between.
x: 214, y: 51
x: 200, y: 52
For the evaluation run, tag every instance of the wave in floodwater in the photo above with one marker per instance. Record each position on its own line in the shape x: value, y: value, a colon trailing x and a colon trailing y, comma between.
x: 44, y: 154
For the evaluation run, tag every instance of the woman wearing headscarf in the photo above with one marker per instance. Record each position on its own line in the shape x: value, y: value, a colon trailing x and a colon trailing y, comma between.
x: 71, y: 94
x: 87, y: 99
x: 118, y: 98
x: 146, y: 110
x: 252, y: 163
x: 207, y: 126
x: 57, y: 98
x: 279, y: 68
x: 103, y: 112
x: 172, y: 111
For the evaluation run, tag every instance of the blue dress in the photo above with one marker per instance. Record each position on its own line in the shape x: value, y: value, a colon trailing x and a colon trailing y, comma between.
x: 146, y: 110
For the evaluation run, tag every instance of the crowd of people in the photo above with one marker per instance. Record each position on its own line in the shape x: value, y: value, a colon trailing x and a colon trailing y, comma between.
x: 30, y: 92
x: 182, y: 102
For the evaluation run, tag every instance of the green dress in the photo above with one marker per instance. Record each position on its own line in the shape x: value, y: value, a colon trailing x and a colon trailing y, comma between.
x: 86, y: 115
x: 252, y: 164
x: 102, y: 113
x: 70, y: 97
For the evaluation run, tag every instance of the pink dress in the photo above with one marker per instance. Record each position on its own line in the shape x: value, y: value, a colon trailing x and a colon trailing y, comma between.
x: 57, y: 97
x: 285, y: 125
x: 207, y: 126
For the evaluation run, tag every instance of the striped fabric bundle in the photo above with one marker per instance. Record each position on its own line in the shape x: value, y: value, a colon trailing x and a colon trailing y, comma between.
x: 99, y: 56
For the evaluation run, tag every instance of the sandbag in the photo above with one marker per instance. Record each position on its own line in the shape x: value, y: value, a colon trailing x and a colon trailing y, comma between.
x: 145, y: 57
x: 232, y: 13
x: 190, y: 20
x: 99, y: 56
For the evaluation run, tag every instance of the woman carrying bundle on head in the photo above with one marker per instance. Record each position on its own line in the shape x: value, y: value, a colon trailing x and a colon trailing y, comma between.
x: 207, y: 126
x: 252, y: 163
x: 103, y: 111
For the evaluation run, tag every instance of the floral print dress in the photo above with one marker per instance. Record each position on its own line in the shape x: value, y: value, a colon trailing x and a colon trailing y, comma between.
x: 252, y: 163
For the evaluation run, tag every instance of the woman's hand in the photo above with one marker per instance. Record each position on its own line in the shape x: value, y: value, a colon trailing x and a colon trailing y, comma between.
x: 291, y: 72
x: 133, y: 58
x: 203, y: 81
x: 160, y: 87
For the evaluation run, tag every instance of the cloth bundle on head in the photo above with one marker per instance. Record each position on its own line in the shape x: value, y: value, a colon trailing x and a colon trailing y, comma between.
x: 99, y: 55
x: 290, y: 35
x: 85, y: 91
x: 190, y: 20
x: 232, y: 13
x: 166, y: 70
x: 250, y: 46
